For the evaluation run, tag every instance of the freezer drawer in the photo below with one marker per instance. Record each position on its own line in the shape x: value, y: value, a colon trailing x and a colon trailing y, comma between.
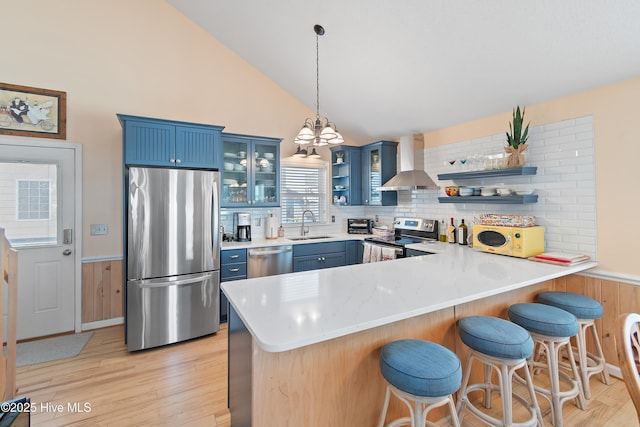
x: 173, y: 309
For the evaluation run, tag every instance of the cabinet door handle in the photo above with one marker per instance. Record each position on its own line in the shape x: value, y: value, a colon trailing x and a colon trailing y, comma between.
x: 234, y: 256
x: 172, y: 160
x: 178, y: 161
x: 234, y: 270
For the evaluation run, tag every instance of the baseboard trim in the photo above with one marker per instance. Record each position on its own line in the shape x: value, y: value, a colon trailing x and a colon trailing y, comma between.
x: 614, y: 371
x: 102, y: 323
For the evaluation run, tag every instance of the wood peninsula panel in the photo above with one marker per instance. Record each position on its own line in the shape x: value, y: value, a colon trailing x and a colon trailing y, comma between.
x: 101, y: 290
x: 342, y: 374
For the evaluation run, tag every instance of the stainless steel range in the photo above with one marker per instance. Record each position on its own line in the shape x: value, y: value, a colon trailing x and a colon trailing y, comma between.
x: 408, y: 231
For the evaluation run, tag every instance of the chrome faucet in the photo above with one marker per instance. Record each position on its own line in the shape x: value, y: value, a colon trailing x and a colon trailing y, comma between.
x: 313, y: 219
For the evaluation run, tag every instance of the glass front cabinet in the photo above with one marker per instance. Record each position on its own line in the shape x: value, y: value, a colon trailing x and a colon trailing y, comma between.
x: 379, y: 165
x: 250, y: 171
x: 346, y: 175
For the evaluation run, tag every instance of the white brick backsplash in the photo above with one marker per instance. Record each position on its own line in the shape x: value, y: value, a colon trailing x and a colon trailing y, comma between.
x: 565, y: 184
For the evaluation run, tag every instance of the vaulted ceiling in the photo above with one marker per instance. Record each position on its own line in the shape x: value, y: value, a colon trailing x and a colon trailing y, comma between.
x: 391, y: 68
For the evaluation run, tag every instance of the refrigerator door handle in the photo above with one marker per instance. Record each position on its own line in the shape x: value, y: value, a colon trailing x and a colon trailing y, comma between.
x: 216, y: 228
x: 164, y: 284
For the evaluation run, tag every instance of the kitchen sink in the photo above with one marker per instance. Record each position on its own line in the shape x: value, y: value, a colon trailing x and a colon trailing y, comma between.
x: 309, y: 237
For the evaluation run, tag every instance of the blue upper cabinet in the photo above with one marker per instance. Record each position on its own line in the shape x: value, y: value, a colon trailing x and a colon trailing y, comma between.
x: 379, y: 165
x: 158, y: 142
x: 197, y: 146
x: 250, y: 171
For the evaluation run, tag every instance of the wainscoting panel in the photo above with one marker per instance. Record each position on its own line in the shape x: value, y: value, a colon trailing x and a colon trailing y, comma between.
x: 102, y: 297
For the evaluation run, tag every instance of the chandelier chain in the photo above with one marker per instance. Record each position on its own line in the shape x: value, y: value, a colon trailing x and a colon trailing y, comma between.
x: 317, y: 77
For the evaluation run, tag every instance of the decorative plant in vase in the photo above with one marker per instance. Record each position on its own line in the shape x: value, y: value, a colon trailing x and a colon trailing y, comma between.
x: 517, y: 140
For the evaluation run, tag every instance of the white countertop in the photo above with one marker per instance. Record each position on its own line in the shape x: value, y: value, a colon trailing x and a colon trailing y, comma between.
x: 293, y: 310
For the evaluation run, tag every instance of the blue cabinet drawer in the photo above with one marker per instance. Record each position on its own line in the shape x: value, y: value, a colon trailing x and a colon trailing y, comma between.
x: 318, y: 248
x: 233, y: 255
x: 230, y: 270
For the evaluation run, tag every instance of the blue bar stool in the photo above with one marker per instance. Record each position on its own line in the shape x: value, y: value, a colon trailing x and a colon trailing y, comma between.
x: 587, y: 310
x: 504, y: 347
x: 421, y: 371
x: 551, y: 328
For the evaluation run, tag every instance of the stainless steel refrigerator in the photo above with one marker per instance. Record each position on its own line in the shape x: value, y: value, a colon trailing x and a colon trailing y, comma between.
x: 173, y: 255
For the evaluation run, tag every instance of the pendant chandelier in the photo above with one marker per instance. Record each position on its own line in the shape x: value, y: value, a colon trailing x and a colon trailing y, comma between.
x: 321, y: 131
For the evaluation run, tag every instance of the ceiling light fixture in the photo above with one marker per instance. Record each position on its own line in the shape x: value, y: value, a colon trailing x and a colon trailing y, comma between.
x: 320, y: 132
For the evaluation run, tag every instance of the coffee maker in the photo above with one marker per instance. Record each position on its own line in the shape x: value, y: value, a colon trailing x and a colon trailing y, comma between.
x: 242, y: 226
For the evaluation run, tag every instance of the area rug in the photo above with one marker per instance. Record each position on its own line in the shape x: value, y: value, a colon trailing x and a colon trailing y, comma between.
x: 46, y: 350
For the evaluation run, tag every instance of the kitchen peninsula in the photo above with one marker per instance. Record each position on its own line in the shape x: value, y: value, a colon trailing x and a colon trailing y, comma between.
x: 304, y: 347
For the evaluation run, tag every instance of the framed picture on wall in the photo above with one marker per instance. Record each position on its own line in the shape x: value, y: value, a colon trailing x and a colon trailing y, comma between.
x: 30, y: 111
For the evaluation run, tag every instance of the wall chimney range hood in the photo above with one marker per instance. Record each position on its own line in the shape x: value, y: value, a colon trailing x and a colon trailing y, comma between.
x: 412, y: 175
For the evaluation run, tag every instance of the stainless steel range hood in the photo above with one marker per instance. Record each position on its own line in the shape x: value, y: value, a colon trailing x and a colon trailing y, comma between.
x: 412, y: 175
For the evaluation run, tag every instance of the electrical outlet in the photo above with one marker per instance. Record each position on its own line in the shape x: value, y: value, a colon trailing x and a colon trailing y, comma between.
x: 333, y: 218
x: 99, y: 229
x: 377, y: 219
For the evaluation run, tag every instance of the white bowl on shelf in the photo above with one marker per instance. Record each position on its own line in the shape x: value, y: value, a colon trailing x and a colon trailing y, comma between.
x: 524, y: 192
x: 488, y: 191
x: 239, y: 168
x: 268, y: 156
x: 228, y: 166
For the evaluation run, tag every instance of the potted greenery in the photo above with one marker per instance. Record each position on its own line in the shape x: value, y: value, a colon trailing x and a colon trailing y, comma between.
x: 517, y: 139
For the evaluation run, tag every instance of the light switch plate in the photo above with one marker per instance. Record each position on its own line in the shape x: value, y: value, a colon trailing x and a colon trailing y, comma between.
x: 99, y: 229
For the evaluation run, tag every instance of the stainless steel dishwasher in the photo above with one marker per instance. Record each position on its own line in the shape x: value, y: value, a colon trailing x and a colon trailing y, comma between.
x: 269, y: 261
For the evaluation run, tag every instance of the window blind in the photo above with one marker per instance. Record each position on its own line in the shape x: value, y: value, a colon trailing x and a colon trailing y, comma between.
x: 303, y: 187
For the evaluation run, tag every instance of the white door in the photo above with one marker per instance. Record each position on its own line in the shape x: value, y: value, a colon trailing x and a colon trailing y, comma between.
x: 37, y: 207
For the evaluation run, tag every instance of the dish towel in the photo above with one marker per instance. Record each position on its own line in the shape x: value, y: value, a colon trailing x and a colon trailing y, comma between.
x: 388, y: 253
x: 376, y: 253
x: 366, y: 253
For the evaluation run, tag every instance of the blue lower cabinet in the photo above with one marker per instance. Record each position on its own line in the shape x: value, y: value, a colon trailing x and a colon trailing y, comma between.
x: 316, y: 262
x: 233, y: 266
x: 354, y: 252
x: 314, y: 256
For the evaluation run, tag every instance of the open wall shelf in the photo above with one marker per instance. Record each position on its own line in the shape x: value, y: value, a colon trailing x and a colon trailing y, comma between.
x: 513, y: 200
x: 525, y: 170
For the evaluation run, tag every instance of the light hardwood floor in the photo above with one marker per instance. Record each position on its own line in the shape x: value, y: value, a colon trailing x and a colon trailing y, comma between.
x: 186, y: 385
x: 179, y: 385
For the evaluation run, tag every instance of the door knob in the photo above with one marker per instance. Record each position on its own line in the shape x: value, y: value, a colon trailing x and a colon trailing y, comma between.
x: 66, y: 252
